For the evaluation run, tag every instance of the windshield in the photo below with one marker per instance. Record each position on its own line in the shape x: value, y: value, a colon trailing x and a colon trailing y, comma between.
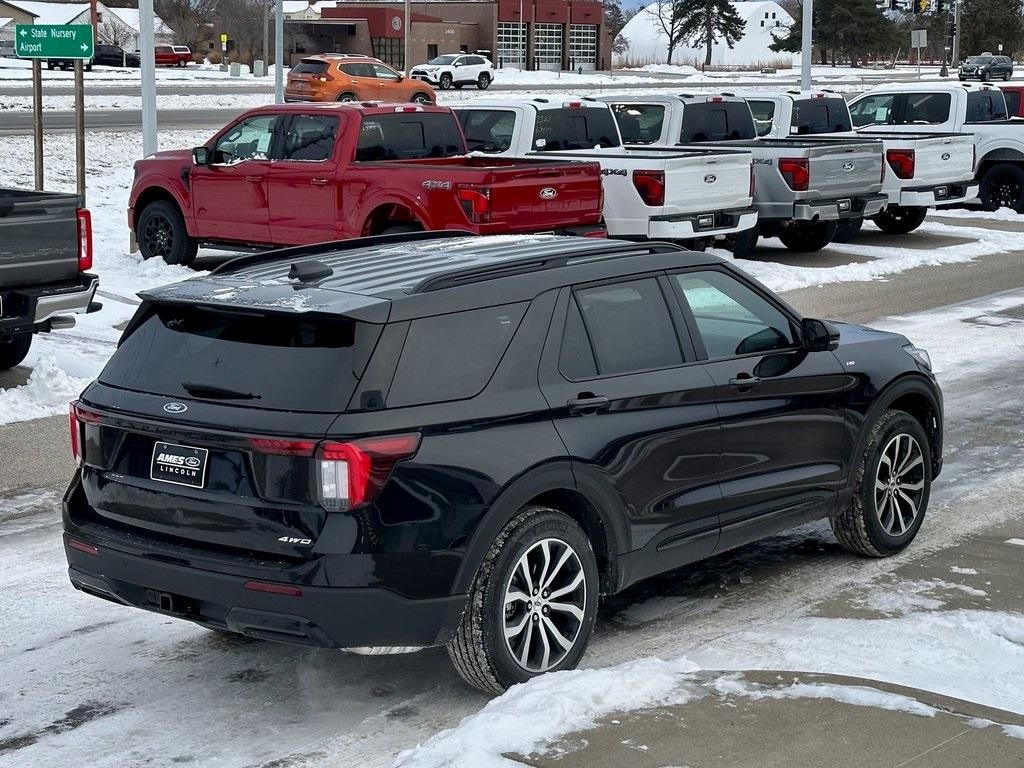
x: 717, y: 121
x: 446, y: 59
x: 975, y: 60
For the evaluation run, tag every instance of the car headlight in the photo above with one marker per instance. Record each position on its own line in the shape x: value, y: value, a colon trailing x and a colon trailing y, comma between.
x: 920, y: 355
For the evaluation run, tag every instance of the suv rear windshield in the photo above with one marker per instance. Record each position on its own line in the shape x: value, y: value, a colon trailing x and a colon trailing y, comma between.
x: 717, y: 121
x: 639, y: 123
x: 829, y: 115
x: 265, y: 361
x: 985, y: 105
x: 574, y: 128
x: 409, y: 136
x: 1012, y: 102
x: 310, y: 67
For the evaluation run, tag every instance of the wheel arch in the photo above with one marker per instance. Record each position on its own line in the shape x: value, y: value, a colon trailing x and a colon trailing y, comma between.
x: 393, y: 212
x: 152, y: 194
x: 997, y: 156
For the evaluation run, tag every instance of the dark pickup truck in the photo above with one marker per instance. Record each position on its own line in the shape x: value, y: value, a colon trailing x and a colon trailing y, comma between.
x: 45, y: 250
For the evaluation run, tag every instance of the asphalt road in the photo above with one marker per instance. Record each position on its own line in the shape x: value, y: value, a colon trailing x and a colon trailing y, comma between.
x: 20, y: 123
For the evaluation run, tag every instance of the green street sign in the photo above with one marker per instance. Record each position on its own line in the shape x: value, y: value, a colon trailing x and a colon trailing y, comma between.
x: 53, y: 41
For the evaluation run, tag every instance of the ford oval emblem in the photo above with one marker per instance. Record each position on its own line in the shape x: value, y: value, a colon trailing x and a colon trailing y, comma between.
x: 945, y: 155
x: 548, y: 193
x: 710, y: 178
x: 175, y: 407
x: 192, y: 461
x: 848, y: 166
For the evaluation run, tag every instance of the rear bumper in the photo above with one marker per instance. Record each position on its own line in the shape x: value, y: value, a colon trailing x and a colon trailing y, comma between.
x: 929, y: 197
x: 831, y: 209
x: 696, y: 225
x: 326, y: 617
x: 34, y: 308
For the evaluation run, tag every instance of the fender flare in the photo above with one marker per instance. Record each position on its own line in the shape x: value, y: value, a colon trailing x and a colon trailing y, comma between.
x: 417, y: 208
x: 172, y: 187
x: 1002, y: 155
x: 553, y: 476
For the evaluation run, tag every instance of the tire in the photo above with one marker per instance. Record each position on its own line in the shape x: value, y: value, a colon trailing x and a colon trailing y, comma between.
x: 445, y: 82
x: 1002, y: 186
x: 860, y: 527
x: 847, y: 229
x: 483, y: 82
x: 348, y: 96
x: 1006, y: 76
x: 479, y: 651
x: 88, y: 67
x: 742, y: 244
x: 806, y: 237
x: 899, y: 219
x: 421, y: 98
x: 161, y: 233
x: 399, y: 229
x: 14, y: 349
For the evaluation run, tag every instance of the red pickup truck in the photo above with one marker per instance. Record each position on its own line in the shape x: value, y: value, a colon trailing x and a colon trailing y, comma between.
x: 294, y: 174
x: 173, y: 55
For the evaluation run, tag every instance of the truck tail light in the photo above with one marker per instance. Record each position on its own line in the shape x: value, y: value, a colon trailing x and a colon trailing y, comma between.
x: 651, y: 186
x: 353, y: 473
x: 84, y: 220
x: 476, y: 202
x: 974, y: 156
x: 752, y: 185
x: 797, y: 173
x: 901, y: 161
x: 78, y: 417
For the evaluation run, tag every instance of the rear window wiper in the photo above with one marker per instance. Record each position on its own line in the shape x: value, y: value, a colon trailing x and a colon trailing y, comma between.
x: 213, y: 391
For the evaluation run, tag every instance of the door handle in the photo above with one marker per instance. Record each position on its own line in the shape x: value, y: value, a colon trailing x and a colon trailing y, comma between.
x: 319, y: 182
x: 254, y: 179
x: 744, y: 381
x: 587, y: 403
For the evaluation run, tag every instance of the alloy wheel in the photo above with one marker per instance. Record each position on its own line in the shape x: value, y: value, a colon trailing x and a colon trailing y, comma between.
x: 899, y: 484
x: 545, y: 602
x: 1006, y: 191
x: 158, y: 236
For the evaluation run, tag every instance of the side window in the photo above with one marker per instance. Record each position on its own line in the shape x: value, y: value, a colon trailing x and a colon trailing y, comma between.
x: 985, y: 105
x: 474, y: 60
x: 873, y: 110
x: 639, y: 123
x: 559, y: 130
x: 630, y: 327
x: 407, y: 136
x: 487, y: 130
x: 820, y: 116
x: 925, y: 109
x: 1012, y: 102
x: 716, y: 121
x: 356, y: 70
x: 733, y: 319
x: 452, y: 357
x: 763, y: 112
x: 576, y: 359
x: 379, y: 70
x: 248, y: 140
x: 310, y: 138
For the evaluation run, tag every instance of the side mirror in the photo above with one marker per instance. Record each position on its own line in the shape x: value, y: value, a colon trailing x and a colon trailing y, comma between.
x: 818, y: 335
x: 201, y: 156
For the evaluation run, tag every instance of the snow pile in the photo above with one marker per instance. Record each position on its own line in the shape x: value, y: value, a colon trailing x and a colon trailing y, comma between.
x: 855, y: 695
x: 47, y: 392
x: 909, y: 596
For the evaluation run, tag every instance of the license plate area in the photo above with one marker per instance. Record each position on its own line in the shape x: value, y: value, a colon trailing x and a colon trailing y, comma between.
x: 942, y: 193
x: 179, y: 464
x: 845, y: 205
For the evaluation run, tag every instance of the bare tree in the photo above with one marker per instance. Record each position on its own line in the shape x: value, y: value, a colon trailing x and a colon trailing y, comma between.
x: 669, y: 18
x: 113, y: 33
x: 189, y: 19
x: 243, y: 22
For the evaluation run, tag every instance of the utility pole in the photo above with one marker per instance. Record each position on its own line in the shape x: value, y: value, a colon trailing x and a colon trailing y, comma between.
x: 279, y: 52
x: 147, y: 61
x: 806, y: 47
x: 956, y: 32
x: 266, y: 33
x: 408, y: 28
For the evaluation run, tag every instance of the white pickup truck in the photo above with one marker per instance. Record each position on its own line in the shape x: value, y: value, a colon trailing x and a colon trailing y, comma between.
x: 955, y: 107
x: 804, y: 189
x: 694, y: 196
x: 922, y: 170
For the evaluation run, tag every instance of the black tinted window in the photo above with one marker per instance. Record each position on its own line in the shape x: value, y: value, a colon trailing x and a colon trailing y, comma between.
x: 409, y: 135
x: 732, y: 319
x: 574, y: 128
x: 716, y: 121
x: 284, y: 362
x: 452, y: 357
x: 820, y: 116
x: 763, y: 112
x: 576, y: 360
x: 310, y: 67
x: 630, y: 327
x: 487, y: 130
x: 985, y: 105
x: 310, y: 138
x: 925, y: 109
x: 639, y: 123
x: 1012, y: 99
x: 357, y: 70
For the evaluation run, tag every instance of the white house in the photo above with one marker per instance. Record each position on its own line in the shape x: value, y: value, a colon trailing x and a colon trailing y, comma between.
x: 115, y: 26
x: 648, y: 44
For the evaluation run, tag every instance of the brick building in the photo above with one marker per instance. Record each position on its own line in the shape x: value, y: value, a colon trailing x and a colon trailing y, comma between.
x: 532, y: 34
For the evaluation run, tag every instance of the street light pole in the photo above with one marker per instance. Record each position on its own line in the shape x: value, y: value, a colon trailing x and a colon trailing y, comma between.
x: 405, y: 43
x: 806, y: 49
x: 147, y: 62
x: 279, y: 51
x: 956, y: 32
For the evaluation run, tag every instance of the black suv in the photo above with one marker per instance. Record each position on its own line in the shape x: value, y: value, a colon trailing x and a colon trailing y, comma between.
x: 420, y: 439
x: 986, y: 67
x: 108, y: 55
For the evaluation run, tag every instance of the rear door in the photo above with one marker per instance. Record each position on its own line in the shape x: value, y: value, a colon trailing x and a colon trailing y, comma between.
x: 304, y: 193
x: 230, y: 194
x: 361, y: 81
x: 638, y: 416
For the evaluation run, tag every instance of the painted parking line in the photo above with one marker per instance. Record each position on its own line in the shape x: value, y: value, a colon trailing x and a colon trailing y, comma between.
x: 1018, y: 542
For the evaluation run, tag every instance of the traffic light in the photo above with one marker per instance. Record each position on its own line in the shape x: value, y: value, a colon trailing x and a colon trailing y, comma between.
x: 919, y: 6
x: 952, y: 28
x: 940, y: 6
x: 894, y: 5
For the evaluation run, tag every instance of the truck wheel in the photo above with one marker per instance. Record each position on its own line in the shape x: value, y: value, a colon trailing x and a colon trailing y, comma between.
x: 483, y: 82
x: 532, y: 605
x: 348, y: 97
x: 445, y: 82
x: 899, y: 219
x: 13, y: 349
x: 742, y: 244
x: 804, y: 237
x: 1002, y: 186
x: 893, y: 483
x: 162, y: 234
x: 847, y: 229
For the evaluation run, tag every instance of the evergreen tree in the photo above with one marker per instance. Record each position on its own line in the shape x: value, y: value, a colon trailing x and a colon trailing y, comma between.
x: 984, y: 24
x: 704, y: 22
x: 848, y: 29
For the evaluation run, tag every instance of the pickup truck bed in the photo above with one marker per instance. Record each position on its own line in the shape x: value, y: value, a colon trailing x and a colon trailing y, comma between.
x: 45, y: 246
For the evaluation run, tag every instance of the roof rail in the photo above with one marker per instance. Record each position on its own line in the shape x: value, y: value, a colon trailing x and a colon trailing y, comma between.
x: 510, y: 267
x: 334, y: 246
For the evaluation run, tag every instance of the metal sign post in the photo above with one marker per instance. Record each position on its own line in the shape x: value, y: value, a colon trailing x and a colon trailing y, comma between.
x: 56, y: 41
x: 919, y: 40
x: 147, y: 75
x: 279, y: 52
x: 806, y: 44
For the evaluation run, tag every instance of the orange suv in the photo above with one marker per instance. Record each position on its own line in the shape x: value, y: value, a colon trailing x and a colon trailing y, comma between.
x: 339, y: 77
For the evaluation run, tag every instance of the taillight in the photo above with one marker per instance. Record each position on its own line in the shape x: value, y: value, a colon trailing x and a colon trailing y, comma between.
x: 476, y: 202
x: 572, y: 104
x: 651, y: 186
x: 901, y: 161
x: 751, y: 181
x: 84, y: 219
x: 974, y: 156
x: 353, y: 473
x: 283, y: 447
x: 78, y: 417
x: 797, y: 173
